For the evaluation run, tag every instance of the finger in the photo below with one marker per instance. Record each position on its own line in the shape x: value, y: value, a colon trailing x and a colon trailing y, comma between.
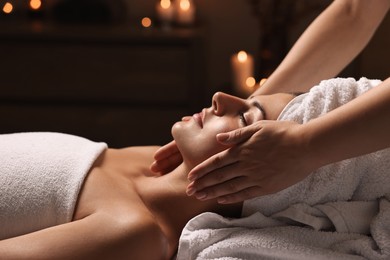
x: 166, y: 165
x: 242, y: 195
x: 222, y: 189
x: 216, y: 177
x: 216, y: 161
x: 166, y: 151
x: 239, y: 135
x: 156, y: 167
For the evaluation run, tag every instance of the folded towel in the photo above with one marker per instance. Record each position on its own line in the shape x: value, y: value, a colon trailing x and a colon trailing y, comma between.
x: 363, y: 178
x: 340, y: 211
x: 325, y: 97
x: 211, y: 236
x: 40, y: 177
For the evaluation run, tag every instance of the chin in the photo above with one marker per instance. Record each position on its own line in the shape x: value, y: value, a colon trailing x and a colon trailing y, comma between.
x: 183, y: 141
x: 193, y: 146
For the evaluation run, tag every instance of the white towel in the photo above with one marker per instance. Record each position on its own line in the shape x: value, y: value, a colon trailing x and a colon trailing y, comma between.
x: 40, y: 178
x: 325, y: 97
x: 341, y: 211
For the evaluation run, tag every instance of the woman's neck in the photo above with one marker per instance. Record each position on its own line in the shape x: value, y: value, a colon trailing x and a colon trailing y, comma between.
x: 166, y: 197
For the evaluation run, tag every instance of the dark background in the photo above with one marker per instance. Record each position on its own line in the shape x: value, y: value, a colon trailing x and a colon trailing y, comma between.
x: 88, y: 68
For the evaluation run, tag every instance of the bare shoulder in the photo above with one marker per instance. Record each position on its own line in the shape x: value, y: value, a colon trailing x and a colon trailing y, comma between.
x: 135, y: 160
x: 143, y: 153
x: 145, y: 150
x: 102, y: 235
x: 133, y: 236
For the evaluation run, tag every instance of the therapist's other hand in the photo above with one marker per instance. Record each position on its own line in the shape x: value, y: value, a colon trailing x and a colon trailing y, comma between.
x: 167, y: 158
x: 265, y: 157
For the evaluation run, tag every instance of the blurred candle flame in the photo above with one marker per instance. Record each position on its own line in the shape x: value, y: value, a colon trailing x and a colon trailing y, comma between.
x: 185, y: 5
x: 250, y: 82
x: 165, y: 4
x: 262, y: 81
x: 35, y: 4
x: 146, y: 22
x: 7, y: 8
x: 242, y: 56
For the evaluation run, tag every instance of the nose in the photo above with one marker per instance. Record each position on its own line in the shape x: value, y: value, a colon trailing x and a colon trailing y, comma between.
x: 223, y: 103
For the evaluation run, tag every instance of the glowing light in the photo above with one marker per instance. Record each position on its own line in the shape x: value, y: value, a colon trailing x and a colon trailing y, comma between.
x: 262, y: 81
x: 146, y: 22
x: 242, y: 56
x: 165, y: 4
x: 185, y: 5
x: 7, y: 8
x: 35, y: 4
x: 250, y: 82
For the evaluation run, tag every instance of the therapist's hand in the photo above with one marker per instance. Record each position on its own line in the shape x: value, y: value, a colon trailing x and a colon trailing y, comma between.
x: 167, y: 158
x: 266, y: 157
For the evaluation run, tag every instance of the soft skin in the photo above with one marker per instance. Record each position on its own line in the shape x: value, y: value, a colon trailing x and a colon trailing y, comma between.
x: 124, y: 211
x: 333, y: 40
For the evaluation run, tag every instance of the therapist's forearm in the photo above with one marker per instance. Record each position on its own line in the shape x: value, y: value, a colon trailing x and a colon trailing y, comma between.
x: 359, y: 127
x: 330, y: 43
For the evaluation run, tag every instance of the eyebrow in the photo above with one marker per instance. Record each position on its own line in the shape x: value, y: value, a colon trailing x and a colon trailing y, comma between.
x: 260, y: 107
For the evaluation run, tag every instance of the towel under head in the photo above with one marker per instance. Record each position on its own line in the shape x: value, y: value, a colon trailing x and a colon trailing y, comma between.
x: 341, y: 181
x: 325, y: 97
x: 351, y: 197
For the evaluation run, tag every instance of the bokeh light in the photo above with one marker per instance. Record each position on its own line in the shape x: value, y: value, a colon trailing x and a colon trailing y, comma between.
x: 7, y: 8
x: 146, y: 22
x: 242, y: 56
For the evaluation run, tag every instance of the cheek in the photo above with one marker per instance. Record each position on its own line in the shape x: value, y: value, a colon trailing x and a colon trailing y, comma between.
x: 218, y: 126
x: 198, y: 144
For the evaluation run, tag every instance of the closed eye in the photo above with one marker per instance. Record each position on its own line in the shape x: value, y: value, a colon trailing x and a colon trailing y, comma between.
x: 242, y: 119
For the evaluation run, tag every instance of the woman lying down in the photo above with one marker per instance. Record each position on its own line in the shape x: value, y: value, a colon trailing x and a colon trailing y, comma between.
x: 65, y: 197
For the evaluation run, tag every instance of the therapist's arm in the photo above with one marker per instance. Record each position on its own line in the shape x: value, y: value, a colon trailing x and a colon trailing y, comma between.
x: 361, y: 126
x: 328, y: 45
x: 281, y: 154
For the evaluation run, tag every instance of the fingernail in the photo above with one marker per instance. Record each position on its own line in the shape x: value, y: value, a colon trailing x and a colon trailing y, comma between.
x: 221, y: 200
x: 222, y: 137
x: 201, y: 195
x: 191, y: 177
x: 190, y: 191
x: 153, y: 166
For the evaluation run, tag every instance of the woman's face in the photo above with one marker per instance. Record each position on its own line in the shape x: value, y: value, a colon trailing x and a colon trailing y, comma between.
x: 196, y: 136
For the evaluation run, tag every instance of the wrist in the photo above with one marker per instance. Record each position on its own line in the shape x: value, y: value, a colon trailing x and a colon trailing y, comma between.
x: 311, y: 154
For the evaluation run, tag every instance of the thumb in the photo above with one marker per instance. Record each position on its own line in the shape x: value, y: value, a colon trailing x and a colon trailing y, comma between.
x: 239, y: 135
x: 166, y: 151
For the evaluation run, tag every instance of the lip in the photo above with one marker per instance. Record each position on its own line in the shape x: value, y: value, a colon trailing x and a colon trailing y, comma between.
x: 199, y: 118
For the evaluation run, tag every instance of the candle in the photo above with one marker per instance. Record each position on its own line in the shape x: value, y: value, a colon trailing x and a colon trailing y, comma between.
x: 165, y: 11
x: 185, y: 12
x: 242, y: 72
